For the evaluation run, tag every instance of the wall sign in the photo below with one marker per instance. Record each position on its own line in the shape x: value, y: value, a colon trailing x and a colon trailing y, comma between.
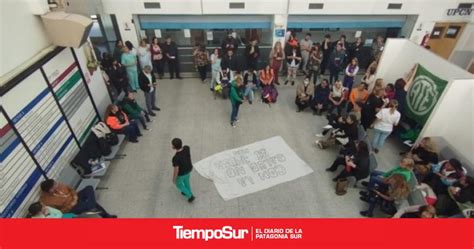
x: 459, y: 12
x: 280, y: 32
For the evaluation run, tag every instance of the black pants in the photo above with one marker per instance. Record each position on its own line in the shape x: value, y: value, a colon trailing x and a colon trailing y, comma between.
x: 173, y: 67
x: 87, y: 202
x: 339, y: 161
x: 158, y: 67
x: 302, y: 104
x: 202, y: 72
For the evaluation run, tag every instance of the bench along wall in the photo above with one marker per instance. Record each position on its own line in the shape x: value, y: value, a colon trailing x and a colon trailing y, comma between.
x: 47, y: 111
x: 450, y: 117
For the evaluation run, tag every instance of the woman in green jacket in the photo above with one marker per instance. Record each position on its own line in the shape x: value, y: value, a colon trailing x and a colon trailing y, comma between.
x: 236, y: 99
x: 134, y: 111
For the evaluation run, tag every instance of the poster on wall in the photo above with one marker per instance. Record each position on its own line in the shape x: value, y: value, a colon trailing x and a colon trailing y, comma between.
x: 19, y: 174
x: 423, y: 94
x: 96, y: 84
x: 65, y: 79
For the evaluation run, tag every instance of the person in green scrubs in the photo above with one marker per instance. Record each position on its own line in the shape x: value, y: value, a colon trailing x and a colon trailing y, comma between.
x: 129, y: 60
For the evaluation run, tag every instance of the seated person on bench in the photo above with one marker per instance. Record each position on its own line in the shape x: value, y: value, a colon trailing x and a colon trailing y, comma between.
x: 66, y: 199
x: 38, y: 210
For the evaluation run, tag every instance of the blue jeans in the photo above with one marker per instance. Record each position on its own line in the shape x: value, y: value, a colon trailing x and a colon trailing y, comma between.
x: 249, y: 92
x: 379, y: 138
x: 87, y: 202
x: 375, y: 179
x: 235, y: 112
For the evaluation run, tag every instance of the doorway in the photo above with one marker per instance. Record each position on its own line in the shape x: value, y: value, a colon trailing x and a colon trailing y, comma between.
x: 444, y: 37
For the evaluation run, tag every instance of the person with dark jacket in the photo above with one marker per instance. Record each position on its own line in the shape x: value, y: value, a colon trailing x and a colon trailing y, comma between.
x: 149, y: 86
x: 134, y: 111
x: 356, y: 165
x: 345, y: 135
x: 321, y: 97
x: 229, y: 43
x: 401, y: 94
x: 374, y: 104
x: 336, y: 62
x: 460, y: 192
x: 355, y: 50
x: 118, y: 76
x: 230, y: 61
x: 171, y: 51
x: 252, y: 53
x: 293, y: 60
x: 326, y: 48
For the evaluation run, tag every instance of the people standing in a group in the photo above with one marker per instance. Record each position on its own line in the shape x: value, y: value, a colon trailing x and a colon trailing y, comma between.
x: 305, y: 45
x: 321, y: 97
x: 252, y: 53
x: 201, y: 57
x: 182, y: 167
x: 350, y: 73
x: 304, y: 95
x: 118, y: 50
x: 387, y: 118
x: 229, y: 43
x: 314, y: 63
x: 344, y: 43
x: 149, y: 86
x: 230, y: 61
x: 236, y: 99
x: 277, y: 55
x: 157, y: 57
x: 215, y: 67
x: 171, y: 51
x: 293, y: 60
x: 336, y: 61
x: 326, y: 48
x: 129, y: 60
x: 144, y: 55
x: 118, y: 76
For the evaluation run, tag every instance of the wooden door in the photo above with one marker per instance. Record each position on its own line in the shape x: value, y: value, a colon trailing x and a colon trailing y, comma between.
x: 444, y: 37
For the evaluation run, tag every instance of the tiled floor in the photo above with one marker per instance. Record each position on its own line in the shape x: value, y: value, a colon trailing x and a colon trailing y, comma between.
x: 140, y: 184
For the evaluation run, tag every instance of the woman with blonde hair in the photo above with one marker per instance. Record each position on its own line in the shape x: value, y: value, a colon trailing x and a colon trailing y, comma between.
x: 276, y: 57
x: 337, y: 98
x: 385, y: 120
x: 397, y: 189
x: 378, y: 85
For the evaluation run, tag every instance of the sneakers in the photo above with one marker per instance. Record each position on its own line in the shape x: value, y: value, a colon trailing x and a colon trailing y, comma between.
x: 152, y: 114
x: 376, y: 151
x: 319, y: 135
x: 292, y: 83
x: 191, y: 199
x: 156, y: 108
x: 365, y: 184
x: 366, y: 214
x: 286, y: 82
x: 233, y: 124
x: 147, y: 129
x: 96, y: 169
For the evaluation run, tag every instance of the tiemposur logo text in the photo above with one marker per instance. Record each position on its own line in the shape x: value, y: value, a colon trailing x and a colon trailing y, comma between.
x: 226, y: 232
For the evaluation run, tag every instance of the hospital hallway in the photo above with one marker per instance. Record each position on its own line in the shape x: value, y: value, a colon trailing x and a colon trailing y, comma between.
x: 140, y: 185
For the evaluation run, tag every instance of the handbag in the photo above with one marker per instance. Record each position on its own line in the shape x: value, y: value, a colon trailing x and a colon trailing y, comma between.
x: 111, y: 138
x: 341, y: 186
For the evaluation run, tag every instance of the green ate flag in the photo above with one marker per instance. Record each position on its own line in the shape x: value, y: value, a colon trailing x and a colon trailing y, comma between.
x: 423, y: 95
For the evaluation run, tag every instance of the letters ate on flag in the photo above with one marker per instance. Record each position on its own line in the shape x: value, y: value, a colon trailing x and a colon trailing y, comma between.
x: 423, y: 94
x: 252, y: 168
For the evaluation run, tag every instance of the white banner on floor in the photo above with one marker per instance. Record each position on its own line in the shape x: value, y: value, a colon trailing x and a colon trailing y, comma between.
x: 252, y: 168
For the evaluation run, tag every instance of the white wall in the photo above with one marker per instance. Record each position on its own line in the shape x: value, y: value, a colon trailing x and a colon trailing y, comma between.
x: 22, y: 35
x: 400, y: 55
x: 266, y: 7
x: 453, y: 118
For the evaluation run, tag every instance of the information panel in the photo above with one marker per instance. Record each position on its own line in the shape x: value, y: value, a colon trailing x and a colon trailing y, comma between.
x: 37, y: 117
x: 64, y: 76
x: 19, y: 175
